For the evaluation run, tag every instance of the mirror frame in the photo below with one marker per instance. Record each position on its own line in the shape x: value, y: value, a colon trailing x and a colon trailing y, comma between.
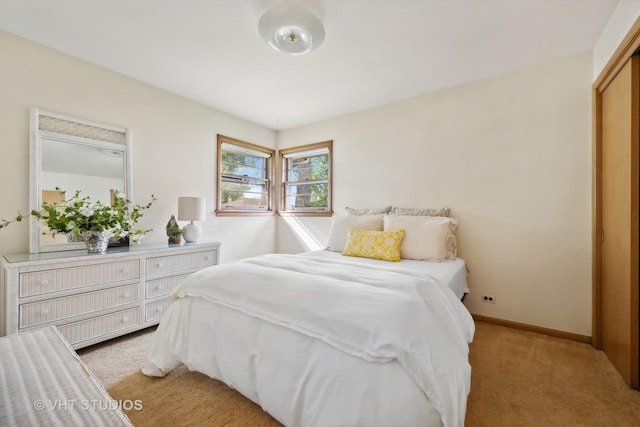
x: 36, y: 137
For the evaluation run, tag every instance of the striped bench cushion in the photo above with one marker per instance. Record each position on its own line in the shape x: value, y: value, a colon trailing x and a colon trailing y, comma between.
x: 44, y: 382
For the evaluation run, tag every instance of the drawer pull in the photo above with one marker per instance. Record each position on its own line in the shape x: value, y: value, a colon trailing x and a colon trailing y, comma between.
x: 44, y: 311
x: 125, y: 319
x: 156, y: 288
x: 44, y: 282
x: 207, y: 258
x: 125, y: 295
x: 124, y: 270
x: 159, y: 265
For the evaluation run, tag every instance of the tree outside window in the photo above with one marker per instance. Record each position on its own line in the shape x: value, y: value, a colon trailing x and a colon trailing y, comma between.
x: 306, y: 179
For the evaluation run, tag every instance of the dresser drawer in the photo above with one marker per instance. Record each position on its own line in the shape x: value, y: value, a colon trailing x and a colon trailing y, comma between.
x: 42, y: 282
x: 173, y: 263
x: 102, y: 325
x: 162, y: 287
x: 61, y: 308
x: 155, y: 310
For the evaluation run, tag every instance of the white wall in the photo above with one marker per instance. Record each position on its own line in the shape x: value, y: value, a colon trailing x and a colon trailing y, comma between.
x: 511, y: 156
x: 623, y: 17
x: 174, y: 142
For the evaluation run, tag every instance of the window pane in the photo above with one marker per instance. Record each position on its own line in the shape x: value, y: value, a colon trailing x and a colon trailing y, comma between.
x: 245, y: 173
x: 243, y: 164
x: 243, y: 194
x: 307, y: 195
x: 308, y: 168
x: 306, y: 178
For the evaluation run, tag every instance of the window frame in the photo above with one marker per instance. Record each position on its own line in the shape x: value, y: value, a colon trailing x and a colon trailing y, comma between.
x: 220, y: 211
x: 328, y: 211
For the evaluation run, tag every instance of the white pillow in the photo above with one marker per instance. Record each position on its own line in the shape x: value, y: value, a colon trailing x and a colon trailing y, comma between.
x: 340, y: 224
x: 425, y: 238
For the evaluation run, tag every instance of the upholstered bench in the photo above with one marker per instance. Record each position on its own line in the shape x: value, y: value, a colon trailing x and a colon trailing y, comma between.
x: 44, y: 382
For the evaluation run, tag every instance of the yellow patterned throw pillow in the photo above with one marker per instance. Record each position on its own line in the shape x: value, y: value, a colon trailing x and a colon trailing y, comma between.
x: 383, y: 245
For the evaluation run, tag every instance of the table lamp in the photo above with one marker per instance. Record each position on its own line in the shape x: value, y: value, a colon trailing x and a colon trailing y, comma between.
x: 191, y: 209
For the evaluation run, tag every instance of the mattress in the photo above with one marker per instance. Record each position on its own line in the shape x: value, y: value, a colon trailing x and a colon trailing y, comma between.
x: 451, y: 273
x: 44, y: 382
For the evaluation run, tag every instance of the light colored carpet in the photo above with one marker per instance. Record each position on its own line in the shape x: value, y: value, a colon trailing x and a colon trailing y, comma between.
x: 523, y: 378
x: 185, y: 398
x: 114, y: 360
x: 519, y: 378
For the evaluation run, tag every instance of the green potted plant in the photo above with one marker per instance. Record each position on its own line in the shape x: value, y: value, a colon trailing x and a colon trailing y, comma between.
x: 94, y: 222
x: 175, y: 235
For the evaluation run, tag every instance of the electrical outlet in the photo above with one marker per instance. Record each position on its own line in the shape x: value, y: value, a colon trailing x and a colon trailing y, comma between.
x: 488, y: 299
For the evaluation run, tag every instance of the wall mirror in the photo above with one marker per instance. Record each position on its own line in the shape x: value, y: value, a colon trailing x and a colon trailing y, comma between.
x: 73, y: 154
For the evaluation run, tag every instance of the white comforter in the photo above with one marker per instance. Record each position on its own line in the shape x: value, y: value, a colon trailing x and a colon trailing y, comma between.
x: 378, y: 315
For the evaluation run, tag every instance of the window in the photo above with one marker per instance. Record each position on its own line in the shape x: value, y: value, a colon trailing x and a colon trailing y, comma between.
x: 244, y: 178
x: 306, y: 179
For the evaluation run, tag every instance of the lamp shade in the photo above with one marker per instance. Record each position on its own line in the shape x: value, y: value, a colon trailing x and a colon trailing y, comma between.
x: 191, y: 209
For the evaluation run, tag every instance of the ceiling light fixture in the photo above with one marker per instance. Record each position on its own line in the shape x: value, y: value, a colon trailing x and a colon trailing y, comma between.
x: 290, y: 29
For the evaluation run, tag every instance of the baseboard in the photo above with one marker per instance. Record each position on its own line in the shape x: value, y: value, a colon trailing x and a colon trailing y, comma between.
x: 532, y: 328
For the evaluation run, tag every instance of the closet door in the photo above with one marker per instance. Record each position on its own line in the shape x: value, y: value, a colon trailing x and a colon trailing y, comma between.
x: 620, y: 135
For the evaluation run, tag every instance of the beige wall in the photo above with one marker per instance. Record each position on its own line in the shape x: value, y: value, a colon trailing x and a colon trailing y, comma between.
x: 174, y: 142
x: 510, y: 155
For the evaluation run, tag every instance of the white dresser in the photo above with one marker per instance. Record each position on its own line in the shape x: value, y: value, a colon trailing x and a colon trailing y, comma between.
x: 92, y: 298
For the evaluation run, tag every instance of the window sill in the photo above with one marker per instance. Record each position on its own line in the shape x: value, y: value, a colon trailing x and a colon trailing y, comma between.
x: 293, y: 213
x: 244, y: 213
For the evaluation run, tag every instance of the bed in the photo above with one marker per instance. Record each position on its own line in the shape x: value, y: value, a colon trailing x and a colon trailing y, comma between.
x: 369, y: 332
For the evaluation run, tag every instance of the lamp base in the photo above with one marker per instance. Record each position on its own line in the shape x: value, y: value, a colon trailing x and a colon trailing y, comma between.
x: 192, y: 232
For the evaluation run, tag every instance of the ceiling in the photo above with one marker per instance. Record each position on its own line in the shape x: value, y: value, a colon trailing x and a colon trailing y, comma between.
x: 67, y: 158
x: 375, y: 51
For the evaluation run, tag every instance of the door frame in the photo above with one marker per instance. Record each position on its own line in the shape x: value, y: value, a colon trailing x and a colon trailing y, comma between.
x: 629, y: 45
x: 625, y: 50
